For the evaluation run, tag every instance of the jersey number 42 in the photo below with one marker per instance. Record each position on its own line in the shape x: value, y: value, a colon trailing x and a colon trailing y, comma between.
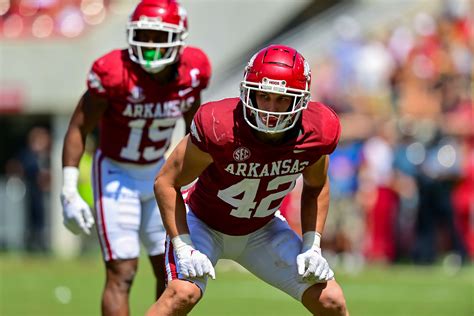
x: 248, y: 188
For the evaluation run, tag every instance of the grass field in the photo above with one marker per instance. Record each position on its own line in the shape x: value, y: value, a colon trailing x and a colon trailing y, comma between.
x: 48, y: 287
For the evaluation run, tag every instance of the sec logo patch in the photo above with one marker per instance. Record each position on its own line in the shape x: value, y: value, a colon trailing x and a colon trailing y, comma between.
x: 241, y: 154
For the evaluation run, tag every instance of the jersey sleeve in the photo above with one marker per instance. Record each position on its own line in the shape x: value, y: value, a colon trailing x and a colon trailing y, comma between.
x: 333, y: 132
x: 201, y: 68
x: 197, y: 133
x: 96, y: 79
x: 205, y: 71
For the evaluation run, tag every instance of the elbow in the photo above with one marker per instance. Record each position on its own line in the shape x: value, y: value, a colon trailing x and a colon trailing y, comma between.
x: 162, y: 185
x: 158, y: 185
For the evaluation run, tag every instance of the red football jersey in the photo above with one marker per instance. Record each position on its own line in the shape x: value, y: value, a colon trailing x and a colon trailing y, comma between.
x: 139, y: 121
x: 245, y: 185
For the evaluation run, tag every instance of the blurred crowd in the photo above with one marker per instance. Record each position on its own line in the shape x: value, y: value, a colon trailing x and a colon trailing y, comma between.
x: 47, y: 18
x: 402, y: 183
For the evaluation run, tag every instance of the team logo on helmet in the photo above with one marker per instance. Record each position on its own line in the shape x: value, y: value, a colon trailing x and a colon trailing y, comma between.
x: 136, y: 95
x: 183, y: 14
x: 241, y: 154
x: 251, y: 61
x: 307, y: 70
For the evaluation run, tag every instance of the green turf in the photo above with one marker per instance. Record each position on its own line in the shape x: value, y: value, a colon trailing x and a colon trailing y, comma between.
x: 44, y: 286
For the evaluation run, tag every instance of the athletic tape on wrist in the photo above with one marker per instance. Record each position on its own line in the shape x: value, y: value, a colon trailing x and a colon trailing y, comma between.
x: 181, y: 241
x: 311, y: 239
x: 70, y: 178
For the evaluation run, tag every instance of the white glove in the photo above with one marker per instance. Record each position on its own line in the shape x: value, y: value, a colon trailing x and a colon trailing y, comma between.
x: 191, y: 262
x: 311, y: 264
x: 77, y: 215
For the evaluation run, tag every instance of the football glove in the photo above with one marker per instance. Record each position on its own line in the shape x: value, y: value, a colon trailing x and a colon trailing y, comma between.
x: 77, y: 215
x: 312, y: 267
x: 191, y: 262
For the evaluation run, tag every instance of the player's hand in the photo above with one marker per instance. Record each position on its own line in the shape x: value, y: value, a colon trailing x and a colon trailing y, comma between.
x: 313, y: 267
x: 191, y: 262
x: 77, y: 215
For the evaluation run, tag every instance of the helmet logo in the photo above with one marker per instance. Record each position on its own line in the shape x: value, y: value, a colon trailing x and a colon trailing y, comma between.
x: 182, y: 15
x: 241, y: 154
x: 307, y: 70
x: 251, y: 61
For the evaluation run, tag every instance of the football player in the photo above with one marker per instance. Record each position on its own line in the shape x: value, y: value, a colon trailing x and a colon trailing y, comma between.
x: 135, y: 96
x: 247, y: 155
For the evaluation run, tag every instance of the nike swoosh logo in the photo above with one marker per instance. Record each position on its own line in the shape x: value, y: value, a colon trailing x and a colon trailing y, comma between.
x: 298, y: 151
x: 185, y: 91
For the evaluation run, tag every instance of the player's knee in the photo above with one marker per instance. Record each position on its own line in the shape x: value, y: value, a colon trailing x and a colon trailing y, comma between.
x: 184, y: 296
x: 122, y: 283
x: 120, y: 278
x: 332, y: 300
x: 325, y: 299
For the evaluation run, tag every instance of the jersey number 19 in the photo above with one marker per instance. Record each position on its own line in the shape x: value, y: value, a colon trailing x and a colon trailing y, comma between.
x: 159, y: 130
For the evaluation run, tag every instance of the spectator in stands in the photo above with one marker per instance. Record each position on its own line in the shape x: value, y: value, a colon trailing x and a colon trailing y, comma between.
x: 35, y: 162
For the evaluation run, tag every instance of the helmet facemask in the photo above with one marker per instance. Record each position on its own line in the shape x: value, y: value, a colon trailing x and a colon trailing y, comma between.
x: 267, y: 121
x: 149, y: 55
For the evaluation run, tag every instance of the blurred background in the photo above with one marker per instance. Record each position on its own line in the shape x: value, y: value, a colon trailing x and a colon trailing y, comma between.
x: 397, y: 72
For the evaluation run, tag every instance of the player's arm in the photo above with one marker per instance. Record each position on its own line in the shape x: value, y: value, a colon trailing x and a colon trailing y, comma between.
x: 77, y: 216
x: 189, y: 114
x: 315, y: 196
x: 184, y: 165
x: 314, y: 208
x: 83, y: 121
